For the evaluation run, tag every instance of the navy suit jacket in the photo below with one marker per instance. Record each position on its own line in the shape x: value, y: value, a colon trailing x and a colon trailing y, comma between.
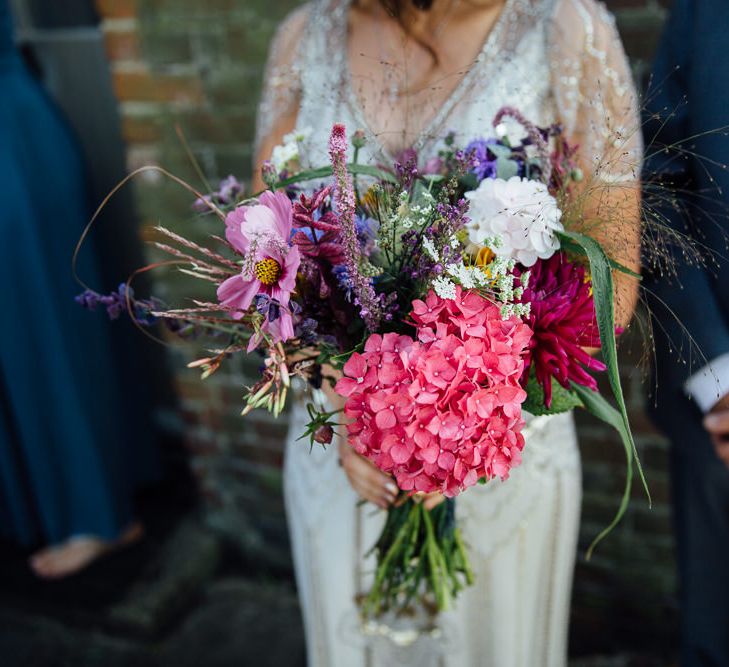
x: 687, y: 102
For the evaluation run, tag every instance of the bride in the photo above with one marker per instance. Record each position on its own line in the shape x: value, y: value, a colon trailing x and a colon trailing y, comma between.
x: 405, y: 73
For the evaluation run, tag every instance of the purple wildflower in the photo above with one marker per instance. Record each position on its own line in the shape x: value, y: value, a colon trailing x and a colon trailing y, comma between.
x: 116, y: 304
x: 342, y: 275
x: 227, y: 193
x: 367, y: 229
x: 406, y: 168
x: 229, y: 190
x: 483, y: 161
x: 268, y: 307
x: 306, y: 331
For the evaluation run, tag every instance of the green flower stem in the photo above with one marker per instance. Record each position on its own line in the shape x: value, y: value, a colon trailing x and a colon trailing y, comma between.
x: 374, y: 598
x: 419, y: 555
x: 434, y: 561
x: 465, y: 564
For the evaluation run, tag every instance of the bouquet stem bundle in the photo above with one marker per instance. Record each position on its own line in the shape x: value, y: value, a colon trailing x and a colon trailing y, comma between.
x: 418, y: 550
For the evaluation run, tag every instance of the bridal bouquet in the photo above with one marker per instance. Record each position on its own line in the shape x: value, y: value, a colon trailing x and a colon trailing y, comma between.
x: 441, y: 301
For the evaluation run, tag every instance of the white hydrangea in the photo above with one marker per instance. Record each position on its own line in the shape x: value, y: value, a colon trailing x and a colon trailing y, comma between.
x: 289, y: 150
x: 520, y: 213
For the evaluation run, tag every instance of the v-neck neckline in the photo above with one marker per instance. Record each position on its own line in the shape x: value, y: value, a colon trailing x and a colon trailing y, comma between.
x: 355, y: 104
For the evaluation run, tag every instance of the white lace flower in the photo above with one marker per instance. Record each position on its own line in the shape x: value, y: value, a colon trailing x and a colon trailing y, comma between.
x: 444, y: 287
x: 430, y: 248
x: 521, y: 213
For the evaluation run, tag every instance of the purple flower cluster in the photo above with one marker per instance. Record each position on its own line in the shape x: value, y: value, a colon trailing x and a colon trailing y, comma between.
x: 482, y: 160
x: 306, y: 331
x: 342, y: 275
x: 268, y: 307
x: 117, y: 303
x: 367, y: 229
x: 228, y: 192
x: 406, y: 168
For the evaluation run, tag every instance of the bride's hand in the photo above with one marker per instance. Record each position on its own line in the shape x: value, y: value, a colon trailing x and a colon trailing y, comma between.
x: 429, y: 500
x: 368, y: 481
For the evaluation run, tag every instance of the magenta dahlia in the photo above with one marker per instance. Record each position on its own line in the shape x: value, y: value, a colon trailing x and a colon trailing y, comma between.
x: 563, y: 321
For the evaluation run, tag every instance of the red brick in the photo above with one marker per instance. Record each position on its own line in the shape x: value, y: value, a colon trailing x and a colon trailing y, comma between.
x: 121, y: 44
x: 138, y: 130
x: 143, y: 86
x: 116, y: 9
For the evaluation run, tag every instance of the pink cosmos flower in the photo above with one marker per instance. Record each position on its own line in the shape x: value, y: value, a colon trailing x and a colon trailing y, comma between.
x: 261, y: 234
x: 444, y: 410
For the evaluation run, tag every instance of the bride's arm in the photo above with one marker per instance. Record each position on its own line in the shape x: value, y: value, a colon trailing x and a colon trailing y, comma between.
x: 597, y: 105
x: 612, y: 215
x: 281, y: 92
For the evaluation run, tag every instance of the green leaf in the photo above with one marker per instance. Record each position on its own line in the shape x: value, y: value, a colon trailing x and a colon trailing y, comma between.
x: 325, y: 172
x: 468, y: 182
x: 602, y: 289
x: 570, y: 246
x: 596, y: 405
x: 562, y: 399
x: 506, y: 168
x: 500, y: 151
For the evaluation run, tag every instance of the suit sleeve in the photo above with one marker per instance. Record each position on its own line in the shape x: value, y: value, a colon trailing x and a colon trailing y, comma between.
x: 683, y: 102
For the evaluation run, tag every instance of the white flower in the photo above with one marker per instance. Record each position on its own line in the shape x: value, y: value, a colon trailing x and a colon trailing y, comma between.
x: 444, y: 288
x: 283, y: 154
x: 469, y: 277
x: 512, y: 131
x: 297, y: 136
x: 289, y: 150
x: 429, y: 247
x: 521, y: 213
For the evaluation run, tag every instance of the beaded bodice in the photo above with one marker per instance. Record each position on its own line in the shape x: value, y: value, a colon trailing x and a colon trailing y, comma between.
x: 554, y: 60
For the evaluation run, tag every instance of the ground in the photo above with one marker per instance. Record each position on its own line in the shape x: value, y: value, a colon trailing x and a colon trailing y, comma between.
x: 179, y: 598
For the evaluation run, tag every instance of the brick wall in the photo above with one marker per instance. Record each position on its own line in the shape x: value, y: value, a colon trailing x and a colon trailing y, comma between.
x: 198, y: 65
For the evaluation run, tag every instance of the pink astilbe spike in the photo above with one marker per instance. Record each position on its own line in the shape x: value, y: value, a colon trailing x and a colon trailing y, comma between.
x: 344, y: 199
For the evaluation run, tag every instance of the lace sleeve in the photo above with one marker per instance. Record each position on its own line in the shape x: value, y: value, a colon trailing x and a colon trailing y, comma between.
x: 594, y: 91
x: 281, y: 93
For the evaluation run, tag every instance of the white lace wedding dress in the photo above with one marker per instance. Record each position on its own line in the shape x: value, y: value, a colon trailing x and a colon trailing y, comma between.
x: 556, y: 61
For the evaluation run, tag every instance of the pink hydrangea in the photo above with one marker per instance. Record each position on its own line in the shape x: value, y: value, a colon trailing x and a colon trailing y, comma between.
x: 444, y: 410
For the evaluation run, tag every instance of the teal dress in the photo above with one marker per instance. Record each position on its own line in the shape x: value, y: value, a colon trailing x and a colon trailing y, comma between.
x: 66, y: 434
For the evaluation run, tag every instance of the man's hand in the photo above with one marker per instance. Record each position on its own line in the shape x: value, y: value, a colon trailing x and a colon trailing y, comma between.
x: 717, y: 424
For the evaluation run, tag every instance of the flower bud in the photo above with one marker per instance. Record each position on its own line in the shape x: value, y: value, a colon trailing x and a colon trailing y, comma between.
x: 324, y: 434
x: 576, y: 175
x: 359, y: 139
x: 268, y: 174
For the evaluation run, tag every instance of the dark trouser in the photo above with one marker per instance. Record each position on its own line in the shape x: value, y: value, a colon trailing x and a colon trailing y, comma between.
x: 700, y: 484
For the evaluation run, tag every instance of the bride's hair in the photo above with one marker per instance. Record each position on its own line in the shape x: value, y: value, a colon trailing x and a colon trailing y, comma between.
x: 395, y: 6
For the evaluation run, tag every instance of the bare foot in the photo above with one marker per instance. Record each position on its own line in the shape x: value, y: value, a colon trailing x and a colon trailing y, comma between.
x: 76, y: 553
